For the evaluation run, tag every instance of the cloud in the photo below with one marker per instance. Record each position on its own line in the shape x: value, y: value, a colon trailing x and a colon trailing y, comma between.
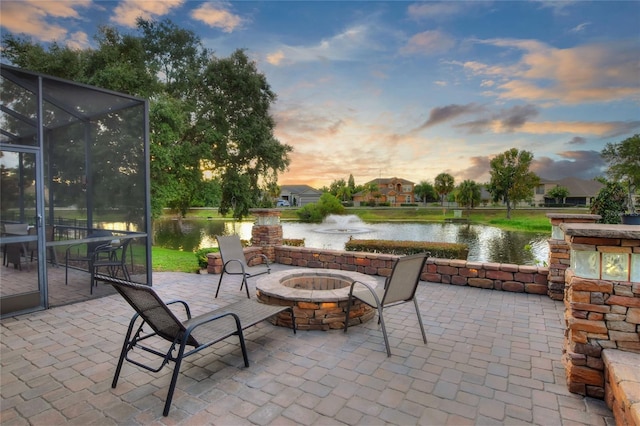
x: 78, y: 41
x: 580, y: 27
x: 351, y: 44
x: 428, y: 43
x: 558, y: 7
x: 435, y: 10
x: 128, y: 11
x: 599, y: 72
x: 441, y: 114
x: 579, y: 164
x: 517, y: 116
x: 577, y: 140
x: 601, y: 129
x: 216, y: 15
x: 478, y: 171
x: 275, y: 58
x: 31, y: 17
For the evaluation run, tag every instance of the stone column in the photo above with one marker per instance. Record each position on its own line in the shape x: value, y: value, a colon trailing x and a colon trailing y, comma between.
x: 559, y: 250
x: 267, y: 231
x: 602, y: 303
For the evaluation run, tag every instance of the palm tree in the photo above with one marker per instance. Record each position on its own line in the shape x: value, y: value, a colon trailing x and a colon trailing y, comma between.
x: 444, y: 184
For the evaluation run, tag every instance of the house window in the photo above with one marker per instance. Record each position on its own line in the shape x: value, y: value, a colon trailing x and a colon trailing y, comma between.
x: 408, y: 199
x: 406, y: 188
x: 540, y: 190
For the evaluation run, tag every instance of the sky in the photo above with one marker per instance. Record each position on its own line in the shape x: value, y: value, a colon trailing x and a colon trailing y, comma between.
x: 381, y: 89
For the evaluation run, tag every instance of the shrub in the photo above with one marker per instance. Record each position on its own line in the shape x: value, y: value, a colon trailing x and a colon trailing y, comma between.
x: 201, y: 255
x: 294, y: 242
x: 315, y: 212
x: 440, y: 250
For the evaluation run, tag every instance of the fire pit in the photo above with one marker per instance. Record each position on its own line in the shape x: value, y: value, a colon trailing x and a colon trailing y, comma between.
x: 319, y: 297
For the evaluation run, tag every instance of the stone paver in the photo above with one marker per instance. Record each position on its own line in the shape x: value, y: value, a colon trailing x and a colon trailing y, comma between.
x: 492, y: 358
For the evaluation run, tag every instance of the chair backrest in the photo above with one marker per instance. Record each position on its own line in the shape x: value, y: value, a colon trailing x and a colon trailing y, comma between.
x: 92, y: 246
x: 402, y: 283
x: 151, y: 308
x: 16, y: 228
x: 231, y: 249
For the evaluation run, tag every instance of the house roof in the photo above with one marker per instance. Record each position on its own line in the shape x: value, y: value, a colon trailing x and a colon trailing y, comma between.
x: 383, y: 181
x: 577, y: 187
x: 299, y: 189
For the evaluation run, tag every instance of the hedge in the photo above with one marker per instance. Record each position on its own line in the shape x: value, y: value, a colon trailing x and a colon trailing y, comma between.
x: 439, y: 250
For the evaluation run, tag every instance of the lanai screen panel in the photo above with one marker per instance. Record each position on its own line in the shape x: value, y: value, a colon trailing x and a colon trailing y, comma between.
x: 94, y: 151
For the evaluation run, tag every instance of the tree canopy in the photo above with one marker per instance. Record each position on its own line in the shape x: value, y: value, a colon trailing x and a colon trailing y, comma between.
x: 468, y: 194
x: 511, y: 181
x: 623, y: 159
x: 425, y: 191
x: 210, y: 124
x: 558, y: 193
x: 444, y: 184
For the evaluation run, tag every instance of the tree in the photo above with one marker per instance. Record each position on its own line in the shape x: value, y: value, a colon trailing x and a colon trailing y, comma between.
x: 609, y: 203
x: 352, y: 184
x: 206, y: 113
x: 425, y: 191
x: 370, y: 189
x: 623, y: 159
x: 511, y: 181
x: 468, y: 194
x: 234, y: 124
x: 558, y: 193
x: 443, y: 184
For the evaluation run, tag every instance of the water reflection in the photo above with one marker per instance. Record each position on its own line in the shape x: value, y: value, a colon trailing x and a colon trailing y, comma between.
x: 486, y: 243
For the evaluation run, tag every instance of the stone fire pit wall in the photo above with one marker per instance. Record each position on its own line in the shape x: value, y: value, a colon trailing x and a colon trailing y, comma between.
x: 602, y: 301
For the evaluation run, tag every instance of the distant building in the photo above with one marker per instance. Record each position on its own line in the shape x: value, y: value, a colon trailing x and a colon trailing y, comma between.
x: 299, y: 195
x: 395, y: 191
x: 581, y: 191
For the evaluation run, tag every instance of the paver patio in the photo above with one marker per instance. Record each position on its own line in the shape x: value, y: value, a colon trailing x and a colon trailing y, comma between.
x: 492, y: 358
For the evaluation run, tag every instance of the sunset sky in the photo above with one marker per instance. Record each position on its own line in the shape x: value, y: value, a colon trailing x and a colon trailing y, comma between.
x: 408, y: 89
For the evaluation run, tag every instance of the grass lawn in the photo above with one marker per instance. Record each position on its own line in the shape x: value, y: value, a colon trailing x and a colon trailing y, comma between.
x: 167, y: 260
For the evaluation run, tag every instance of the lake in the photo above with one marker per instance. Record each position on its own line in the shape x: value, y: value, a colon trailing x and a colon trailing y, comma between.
x: 486, y: 243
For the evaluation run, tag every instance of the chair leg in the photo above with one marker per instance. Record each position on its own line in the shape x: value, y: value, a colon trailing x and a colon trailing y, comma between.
x: 174, y: 380
x: 123, y: 353
x: 246, y: 285
x: 219, y: 282
x: 346, y: 319
x: 384, y: 330
x: 424, y: 336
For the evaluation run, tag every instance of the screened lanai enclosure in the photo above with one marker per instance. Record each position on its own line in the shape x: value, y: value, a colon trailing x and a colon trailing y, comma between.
x: 74, y: 200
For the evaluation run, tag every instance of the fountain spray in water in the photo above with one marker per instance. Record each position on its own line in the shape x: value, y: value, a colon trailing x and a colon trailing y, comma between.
x: 342, y: 224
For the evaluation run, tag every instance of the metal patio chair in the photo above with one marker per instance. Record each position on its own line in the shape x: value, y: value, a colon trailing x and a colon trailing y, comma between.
x: 399, y: 287
x: 110, y: 259
x: 235, y: 263
x: 86, y: 256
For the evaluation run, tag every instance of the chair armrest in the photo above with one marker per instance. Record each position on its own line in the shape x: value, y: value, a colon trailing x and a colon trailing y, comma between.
x: 373, y: 292
x: 264, y: 257
x: 183, y: 303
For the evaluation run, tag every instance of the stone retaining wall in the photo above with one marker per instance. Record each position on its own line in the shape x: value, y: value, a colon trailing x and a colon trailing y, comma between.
x: 495, y: 276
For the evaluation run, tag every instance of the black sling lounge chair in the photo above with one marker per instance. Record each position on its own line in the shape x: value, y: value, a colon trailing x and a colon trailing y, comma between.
x: 186, y: 337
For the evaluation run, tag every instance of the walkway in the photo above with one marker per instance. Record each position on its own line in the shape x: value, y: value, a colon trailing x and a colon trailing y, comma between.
x: 492, y: 358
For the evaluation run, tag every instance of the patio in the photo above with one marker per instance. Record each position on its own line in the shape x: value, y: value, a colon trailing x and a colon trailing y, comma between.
x: 493, y: 357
